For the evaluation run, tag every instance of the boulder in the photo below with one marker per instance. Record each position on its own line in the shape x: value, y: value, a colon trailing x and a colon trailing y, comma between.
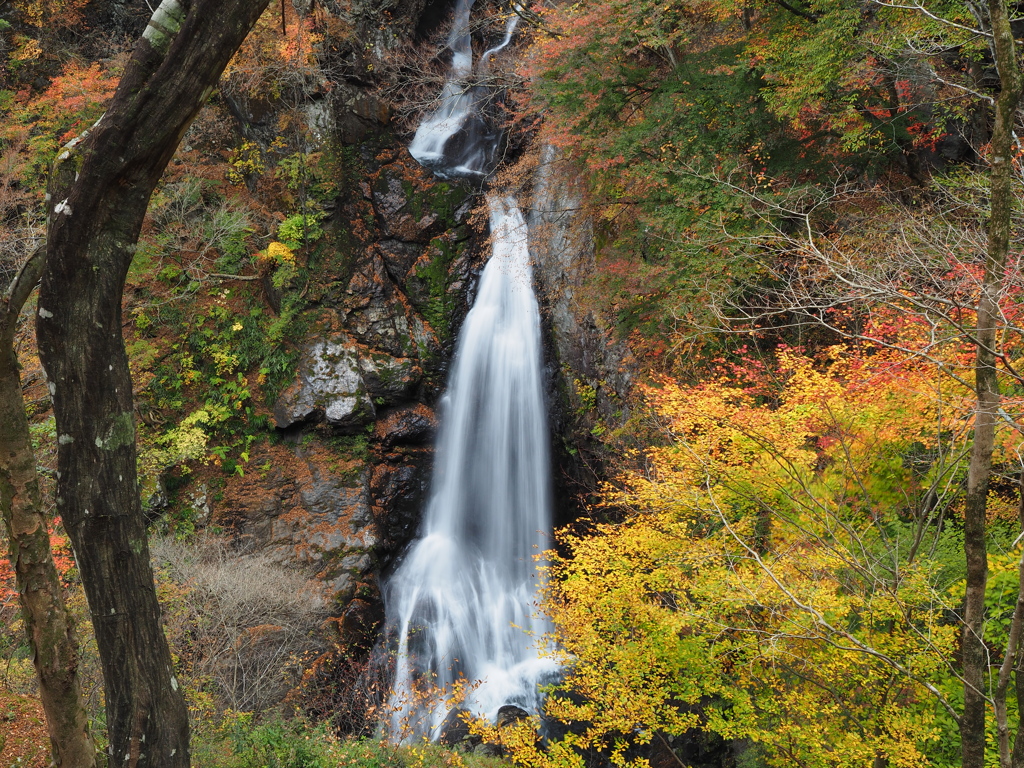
x: 509, y: 714
x: 329, y: 385
x: 411, y: 425
x: 341, y: 382
x: 388, y: 379
x: 455, y: 731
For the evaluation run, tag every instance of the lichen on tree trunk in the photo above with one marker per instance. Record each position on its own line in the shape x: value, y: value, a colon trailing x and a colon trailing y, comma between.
x: 99, y: 189
x: 48, y: 625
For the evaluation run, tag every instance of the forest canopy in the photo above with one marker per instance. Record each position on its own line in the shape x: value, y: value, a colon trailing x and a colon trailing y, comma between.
x: 806, y: 230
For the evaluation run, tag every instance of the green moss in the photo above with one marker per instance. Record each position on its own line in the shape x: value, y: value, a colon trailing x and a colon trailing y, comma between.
x: 435, y: 301
x: 120, y: 432
x: 350, y: 447
x: 442, y: 199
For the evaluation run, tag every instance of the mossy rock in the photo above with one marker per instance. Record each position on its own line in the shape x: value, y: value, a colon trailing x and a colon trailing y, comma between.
x: 429, y: 282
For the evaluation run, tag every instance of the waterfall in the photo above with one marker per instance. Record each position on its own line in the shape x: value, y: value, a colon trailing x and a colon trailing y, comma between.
x: 457, y: 139
x: 463, y: 602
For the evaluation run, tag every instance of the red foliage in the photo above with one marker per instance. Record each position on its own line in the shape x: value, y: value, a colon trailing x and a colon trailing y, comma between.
x: 8, y: 594
x: 77, y: 91
x: 63, y: 560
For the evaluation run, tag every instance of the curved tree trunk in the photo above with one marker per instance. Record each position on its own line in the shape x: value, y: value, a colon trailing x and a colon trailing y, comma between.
x: 97, y: 197
x: 49, y: 627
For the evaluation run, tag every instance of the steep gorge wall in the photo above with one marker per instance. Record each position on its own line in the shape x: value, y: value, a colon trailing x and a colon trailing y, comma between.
x: 341, y: 493
x: 592, y: 370
x: 337, y: 491
x: 335, y: 484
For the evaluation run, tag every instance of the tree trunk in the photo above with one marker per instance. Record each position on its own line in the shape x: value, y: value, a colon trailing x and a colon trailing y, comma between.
x: 99, y: 189
x: 972, y: 725
x: 48, y: 626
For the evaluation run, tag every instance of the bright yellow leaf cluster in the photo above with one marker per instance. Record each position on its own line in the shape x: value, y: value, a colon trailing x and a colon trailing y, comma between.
x: 278, y: 253
x: 771, y: 583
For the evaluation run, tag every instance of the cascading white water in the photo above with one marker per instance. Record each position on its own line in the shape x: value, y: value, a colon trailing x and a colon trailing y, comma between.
x: 463, y: 601
x: 455, y: 140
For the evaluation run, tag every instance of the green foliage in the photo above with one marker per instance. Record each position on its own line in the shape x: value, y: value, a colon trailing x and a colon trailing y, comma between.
x: 227, y: 232
x: 212, y: 372
x: 586, y: 395
x: 240, y: 741
x: 704, y: 130
x: 302, y: 229
x: 276, y: 744
x: 312, y: 180
x: 350, y: 447
x: 194, y: 230
x: 311, y: 177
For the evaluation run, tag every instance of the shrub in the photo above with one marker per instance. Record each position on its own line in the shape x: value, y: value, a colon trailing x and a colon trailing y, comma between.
x: 241, y: 624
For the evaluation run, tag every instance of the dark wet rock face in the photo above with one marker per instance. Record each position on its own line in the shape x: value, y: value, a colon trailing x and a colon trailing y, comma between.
x: 592, y: 368
x: 398, y: 257
x: 398, y: 485
x: 398, y: 219
x: 411, y: 425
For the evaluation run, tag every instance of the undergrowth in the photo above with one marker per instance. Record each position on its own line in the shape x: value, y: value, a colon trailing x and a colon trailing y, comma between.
x: 237, y: 741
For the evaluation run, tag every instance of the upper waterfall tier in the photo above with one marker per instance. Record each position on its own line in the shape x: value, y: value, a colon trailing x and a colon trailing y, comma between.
x: 458, y: 138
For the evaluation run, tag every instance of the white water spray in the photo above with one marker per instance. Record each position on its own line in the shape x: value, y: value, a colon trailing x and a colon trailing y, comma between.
x: 455, y: 140
x: 463, y: 602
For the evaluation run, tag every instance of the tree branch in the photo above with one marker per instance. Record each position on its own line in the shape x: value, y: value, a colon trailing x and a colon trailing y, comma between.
x: 21, y: 287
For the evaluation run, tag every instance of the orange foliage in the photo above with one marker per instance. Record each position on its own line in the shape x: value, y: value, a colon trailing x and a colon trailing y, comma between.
x: 269, y: 61
x: 37, y: 124
x: 79, y: 90
x: 53, y: 15
x: 63, y: 559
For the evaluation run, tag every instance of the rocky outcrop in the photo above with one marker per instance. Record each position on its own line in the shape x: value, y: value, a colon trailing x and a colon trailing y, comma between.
x: 592, y: 369
x: 307, y: 506
x: 561, y: 242
x: 342, y: 383
x: 412, y: 425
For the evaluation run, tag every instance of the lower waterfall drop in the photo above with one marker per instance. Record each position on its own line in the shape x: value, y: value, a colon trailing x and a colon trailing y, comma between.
x: 463, y: 602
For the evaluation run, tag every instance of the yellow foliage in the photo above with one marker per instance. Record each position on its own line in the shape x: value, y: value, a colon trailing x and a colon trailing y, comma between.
x: 767, y: 585
x: 28, y: 50
x: 278, y: 253
x: 246, y: 162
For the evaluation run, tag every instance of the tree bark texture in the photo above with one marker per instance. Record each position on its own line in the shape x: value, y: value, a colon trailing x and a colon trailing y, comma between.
x: 975, y: 657
x: 98, y: 193
x: 48, y: 626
